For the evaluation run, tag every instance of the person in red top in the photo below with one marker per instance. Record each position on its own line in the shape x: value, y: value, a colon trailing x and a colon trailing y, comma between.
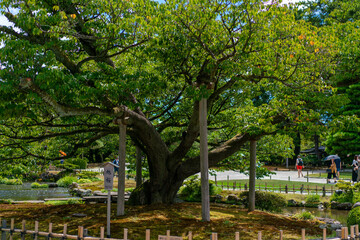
x: 299, y: 166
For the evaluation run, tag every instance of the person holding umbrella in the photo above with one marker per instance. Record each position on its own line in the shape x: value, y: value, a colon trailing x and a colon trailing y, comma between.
x: 337, y: 161
x: 354, y: 167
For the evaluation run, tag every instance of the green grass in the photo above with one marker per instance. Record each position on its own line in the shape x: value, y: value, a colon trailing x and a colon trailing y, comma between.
x: 274, y: 185
x: 343, y: 175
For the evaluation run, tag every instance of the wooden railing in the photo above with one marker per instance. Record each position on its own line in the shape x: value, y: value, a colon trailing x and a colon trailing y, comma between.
x: 12, y: 233
x: 285, y: 188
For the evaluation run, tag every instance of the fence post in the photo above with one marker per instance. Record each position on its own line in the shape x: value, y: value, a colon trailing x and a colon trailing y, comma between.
x: 303, y: 234
x: 102, y: 233
x: 245, y: 186
x: 259, y: 236
x: 167, y: 234
x: 3, y: 233
x: 286, y: 188
x: 50, y: 230
x: 294, y: 188
x: 302, y: 188
x: 324, y: 234
x: 265, y: 187
x: 352, y: 232
x: 289, y: 178
x: 324, y: 191
x: 36, y: 230
x: 125, y: 233
x: 215, y: 181
x: 147, y: 234
x: 237, y: 236
x: 280, y: 188
x: 281, y: 234
x: 190, y: 235
x: 23, y: 229
x: 307, y: 175
x: 12, y: 227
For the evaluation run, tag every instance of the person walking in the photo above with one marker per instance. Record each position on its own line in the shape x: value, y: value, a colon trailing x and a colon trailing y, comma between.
x: 354, y: 168
x: 338, y: 167
x: 116, y: 169
x: 331, y: 171
x: 299, y: 165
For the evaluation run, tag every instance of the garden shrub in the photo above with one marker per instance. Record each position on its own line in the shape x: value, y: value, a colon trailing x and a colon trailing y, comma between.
x: 66, y: 202
x: 304, y: 215
x: 14, y: 182
x: 83, y: 180
x: 313, y: 198
x: 38, y: 185
x: 89, y: 175
x: 268, y: 201
x: 66, y: 181
x: 347, y: 194
x: 6, y: 201
x: 3, y: 180
x: 191, y: 189
x: 353, y: 217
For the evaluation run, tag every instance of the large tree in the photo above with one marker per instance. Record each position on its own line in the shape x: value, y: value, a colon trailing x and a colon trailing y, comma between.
x: 73, y: 68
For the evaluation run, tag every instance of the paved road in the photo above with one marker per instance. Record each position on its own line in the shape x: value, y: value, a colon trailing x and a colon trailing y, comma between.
x: 279, y: 175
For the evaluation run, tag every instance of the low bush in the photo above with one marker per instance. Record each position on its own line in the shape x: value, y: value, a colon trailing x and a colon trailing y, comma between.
x: 13, y: 182
x: 3, y: 180
x: 191, y: 189
x: 304, y: 216
x: 87, y: 174
x: 66, y: 202
x: 313, y: 199
x: 38, y: 185
x: 268, y: 201
x: 6, y: 201
x: 83, y: 180
x: 353, y: 217
x: 66, y: 181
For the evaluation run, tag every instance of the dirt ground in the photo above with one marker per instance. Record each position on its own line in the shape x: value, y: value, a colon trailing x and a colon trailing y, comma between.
x: 178, y: 218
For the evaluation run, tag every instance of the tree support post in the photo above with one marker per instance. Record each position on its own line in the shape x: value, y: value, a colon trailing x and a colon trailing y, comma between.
x: 121, y: 180
x: 138, y: 177
x: 204, y: 162
x: 252, y: 175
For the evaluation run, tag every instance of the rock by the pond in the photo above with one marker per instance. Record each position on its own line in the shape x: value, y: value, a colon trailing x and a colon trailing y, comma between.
x: 356, y: 205
x: 232, y: 198
x: 52, y: 185
x: 292, y: 202
x: 81, y: 192
x: 341, y: 206
x: 99, y: 193
x: 74, y: 185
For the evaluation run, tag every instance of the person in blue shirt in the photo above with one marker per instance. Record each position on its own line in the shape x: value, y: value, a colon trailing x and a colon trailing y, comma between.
x: 338, y: 167
x: 116, y: 169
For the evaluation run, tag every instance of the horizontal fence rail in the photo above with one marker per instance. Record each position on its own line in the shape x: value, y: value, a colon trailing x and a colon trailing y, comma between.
x: 286, y: 188
x: 13, y: 233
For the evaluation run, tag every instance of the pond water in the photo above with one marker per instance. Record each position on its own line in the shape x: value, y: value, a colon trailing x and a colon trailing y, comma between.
x: 25, y: 192
x: 339, y: 215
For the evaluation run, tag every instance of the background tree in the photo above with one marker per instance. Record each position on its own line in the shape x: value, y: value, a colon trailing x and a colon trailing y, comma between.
x: 343, y: 18
x: 73, y: 67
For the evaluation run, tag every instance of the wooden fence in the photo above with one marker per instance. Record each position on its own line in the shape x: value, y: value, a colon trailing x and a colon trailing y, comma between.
x: 286, y: 188
x: 12, y: 233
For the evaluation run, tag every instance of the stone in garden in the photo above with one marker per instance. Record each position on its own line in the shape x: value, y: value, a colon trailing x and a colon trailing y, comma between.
x: 232, y: 198
x: 356, y: 205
